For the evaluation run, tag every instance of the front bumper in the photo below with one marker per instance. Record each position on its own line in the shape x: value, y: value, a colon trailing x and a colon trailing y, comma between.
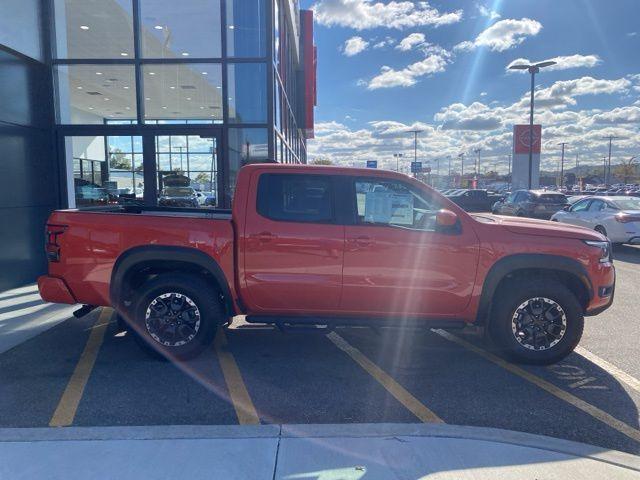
x: 55, y: 290
x: 603, y: 293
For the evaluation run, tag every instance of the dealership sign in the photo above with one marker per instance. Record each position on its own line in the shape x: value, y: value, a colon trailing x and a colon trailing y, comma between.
x: 372, y: 164
x: 520, y: 166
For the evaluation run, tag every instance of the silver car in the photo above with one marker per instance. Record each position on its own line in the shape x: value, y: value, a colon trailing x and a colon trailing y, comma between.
x: 618, y: 218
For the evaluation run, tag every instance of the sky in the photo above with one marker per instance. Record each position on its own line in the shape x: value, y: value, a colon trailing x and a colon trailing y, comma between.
x: 387, y: 67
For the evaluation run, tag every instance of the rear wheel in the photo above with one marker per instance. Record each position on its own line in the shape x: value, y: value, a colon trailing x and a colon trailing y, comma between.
x: 537, y: 322
x: 176, y: 315
x: 601, y: 229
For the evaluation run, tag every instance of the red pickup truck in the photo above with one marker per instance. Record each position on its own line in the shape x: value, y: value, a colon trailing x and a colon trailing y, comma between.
x: 331, y: 246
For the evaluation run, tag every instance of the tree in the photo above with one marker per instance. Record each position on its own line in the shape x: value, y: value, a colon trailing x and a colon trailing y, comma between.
x: 626, y: 170
x: 321, y: 161
x: 118, y: 160
x: 202, y: 177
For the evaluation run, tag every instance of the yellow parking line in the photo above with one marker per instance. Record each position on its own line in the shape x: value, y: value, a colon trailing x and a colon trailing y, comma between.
x: 245, y: 410
x: 394, y: 388
x: 68, y: 404
x: 549, y: 387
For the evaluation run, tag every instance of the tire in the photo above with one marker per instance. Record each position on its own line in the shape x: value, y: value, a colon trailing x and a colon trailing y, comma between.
x: 176, y: 316
x: 505, y: 321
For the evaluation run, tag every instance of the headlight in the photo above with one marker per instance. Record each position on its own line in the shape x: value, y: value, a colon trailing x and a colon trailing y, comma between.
x: 605, y: 249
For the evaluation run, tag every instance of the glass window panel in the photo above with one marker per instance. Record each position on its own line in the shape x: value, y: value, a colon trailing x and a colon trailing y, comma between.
x: 247, y: 92
x: 246, y: 145
x: 89, y: 94
x: 20, y: 27
x: 246, y: 28
x: 181, y: 29
x: 98, y: 178
x: 94, y: 28
x: 183, y: 91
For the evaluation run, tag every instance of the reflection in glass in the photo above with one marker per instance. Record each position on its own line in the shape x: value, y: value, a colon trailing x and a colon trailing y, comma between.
x: 183, y: 91
x: 246, y: 145
x: 94, y: 29
x: 105, y: 170
x: 246, y: 28
x: 247, y: 92
x: 181, y: 28
x: 89, y: 94
x: 187, y: 171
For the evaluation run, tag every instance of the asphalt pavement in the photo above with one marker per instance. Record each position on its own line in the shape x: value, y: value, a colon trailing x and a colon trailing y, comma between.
x: 86, y: 373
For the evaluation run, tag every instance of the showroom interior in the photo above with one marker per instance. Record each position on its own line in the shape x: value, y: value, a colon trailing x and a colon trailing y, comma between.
x: 143, y: 102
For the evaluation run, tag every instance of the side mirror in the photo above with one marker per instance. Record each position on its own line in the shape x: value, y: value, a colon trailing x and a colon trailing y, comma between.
x: 446, y: 218
x: 566, y: 208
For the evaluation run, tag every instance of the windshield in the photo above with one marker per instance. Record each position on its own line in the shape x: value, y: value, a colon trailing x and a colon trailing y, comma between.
x: 628, y: 204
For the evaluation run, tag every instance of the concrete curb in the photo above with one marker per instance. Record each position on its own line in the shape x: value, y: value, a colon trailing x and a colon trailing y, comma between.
x: 613, y: 457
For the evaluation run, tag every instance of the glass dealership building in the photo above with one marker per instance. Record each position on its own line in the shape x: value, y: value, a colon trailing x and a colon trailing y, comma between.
x: 142, y: 102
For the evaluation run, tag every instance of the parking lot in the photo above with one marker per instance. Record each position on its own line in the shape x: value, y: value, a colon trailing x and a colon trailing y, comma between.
x: 85, y: 372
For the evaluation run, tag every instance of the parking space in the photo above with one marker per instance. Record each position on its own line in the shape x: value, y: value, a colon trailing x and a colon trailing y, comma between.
x: 87, y: 372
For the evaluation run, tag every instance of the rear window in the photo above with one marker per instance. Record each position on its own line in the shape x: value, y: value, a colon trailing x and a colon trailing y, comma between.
x: 551, y: 198
x: 296, y: 198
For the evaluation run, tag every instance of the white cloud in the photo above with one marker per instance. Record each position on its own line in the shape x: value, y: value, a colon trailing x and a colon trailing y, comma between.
x: 410, y: 41
x: 632, y: 34
x: 385, y: 42
x: 487, y: 12
x: 366, y: 14
x: 388, y: 77
x: 563, y: 93
x: 562, y: 63
x: 483, y: 94
x: 618, y: 115
x: 476, y: 116
x: 503, y: 35
x: 354, y: 46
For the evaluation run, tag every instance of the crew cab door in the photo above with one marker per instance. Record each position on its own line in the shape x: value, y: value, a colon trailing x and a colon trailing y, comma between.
x: 397, y: 261
x: 292, y: 244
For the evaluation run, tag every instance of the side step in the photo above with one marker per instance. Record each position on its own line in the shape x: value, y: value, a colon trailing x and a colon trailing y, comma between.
x: 84, y: 310
x: 312, y: 323
x: 285, y: 327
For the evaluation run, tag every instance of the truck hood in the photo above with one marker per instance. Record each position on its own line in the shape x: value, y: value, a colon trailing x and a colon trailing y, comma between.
x: 530, y: 226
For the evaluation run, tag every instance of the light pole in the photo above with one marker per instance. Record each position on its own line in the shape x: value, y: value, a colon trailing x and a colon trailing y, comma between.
x: 461, y: 157
x: 532, y: 69
x: 608, y: 172
x: 562, y: 164
x: 509, y: 171
x: 415, y: 146
x: 397, y: 156
x: 449, y: 172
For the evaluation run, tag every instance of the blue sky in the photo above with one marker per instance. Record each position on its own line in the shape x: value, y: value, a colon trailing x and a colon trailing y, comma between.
x: 385, y: 67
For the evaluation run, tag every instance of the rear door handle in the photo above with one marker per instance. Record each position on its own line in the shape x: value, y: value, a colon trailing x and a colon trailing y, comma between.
x: 263, y: 237
x: 362, y: 241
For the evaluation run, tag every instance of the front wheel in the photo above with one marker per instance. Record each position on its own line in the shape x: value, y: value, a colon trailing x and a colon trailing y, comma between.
x: 537, y: 322
x: 176, y: 315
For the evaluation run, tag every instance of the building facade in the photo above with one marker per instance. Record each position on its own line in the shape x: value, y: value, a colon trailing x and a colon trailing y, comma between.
x: 143, y: 101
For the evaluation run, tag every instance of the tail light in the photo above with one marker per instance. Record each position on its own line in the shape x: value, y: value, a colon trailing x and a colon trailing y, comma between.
x: 626, y: 218
x: 52, y: 245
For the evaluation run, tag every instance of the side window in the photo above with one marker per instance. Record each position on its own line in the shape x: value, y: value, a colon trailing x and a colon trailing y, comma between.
x: 520, y: 197
x: 511, y: 198
x: 296, y: 198
x: 596, y: 206
x: 393, y: 203
x: 581, y: 206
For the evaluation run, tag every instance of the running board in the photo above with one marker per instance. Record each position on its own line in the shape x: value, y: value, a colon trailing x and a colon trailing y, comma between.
x: 331, y: 322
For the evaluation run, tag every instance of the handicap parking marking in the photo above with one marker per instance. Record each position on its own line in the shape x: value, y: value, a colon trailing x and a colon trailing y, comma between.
x: 242, y: 403
x: 611, y: 369
x: 547, y: 386
x: 410, y: 402
x: 68, y: 405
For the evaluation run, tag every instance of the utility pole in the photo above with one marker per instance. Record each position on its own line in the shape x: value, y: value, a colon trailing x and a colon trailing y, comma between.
x: 461, y: 156
x: 608, y: 172
x: 509, y: 174
x: 478, y: 150
x: 562, y: 164
x: 604, y: 169
x: 449, y: 172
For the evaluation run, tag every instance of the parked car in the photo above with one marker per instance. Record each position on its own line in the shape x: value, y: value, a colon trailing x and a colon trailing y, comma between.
x: 531, y: 203
x: 178, y: 197
x: 618, y: 218
x: 474, y: 200
x: 330, y: 246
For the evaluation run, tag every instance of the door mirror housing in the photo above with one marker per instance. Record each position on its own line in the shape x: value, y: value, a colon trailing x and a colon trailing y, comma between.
x: 566, y: 208
x: 446, y: 219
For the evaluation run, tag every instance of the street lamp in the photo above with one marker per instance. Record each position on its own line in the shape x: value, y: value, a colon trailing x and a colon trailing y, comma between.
x: 397, y: 156
x: 563, y: 144
x: 415, y: 145
x: 532, y: 69
x: 461, y: 157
